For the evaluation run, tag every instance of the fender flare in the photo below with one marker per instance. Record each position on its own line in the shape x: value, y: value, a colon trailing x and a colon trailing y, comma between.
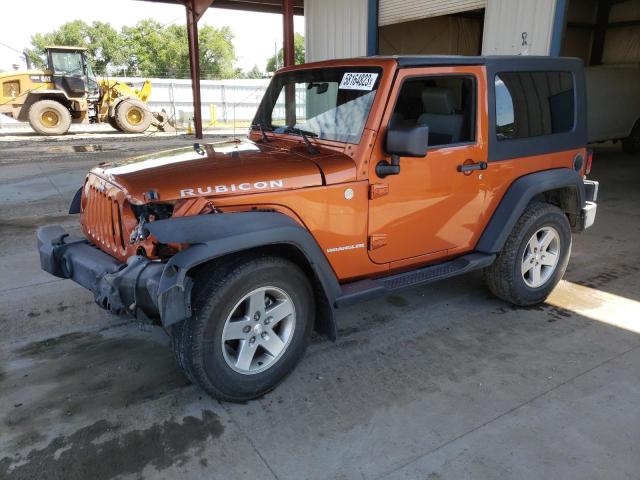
x: 213, y: 236
x: 516, y: 199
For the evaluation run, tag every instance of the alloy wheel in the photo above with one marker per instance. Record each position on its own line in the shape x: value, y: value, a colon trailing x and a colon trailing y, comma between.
x: 258, y: 330
x: 540, y: 257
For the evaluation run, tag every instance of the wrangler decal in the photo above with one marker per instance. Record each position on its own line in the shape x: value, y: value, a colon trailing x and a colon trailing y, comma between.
x: 233, y: 187
x: 345, y: 247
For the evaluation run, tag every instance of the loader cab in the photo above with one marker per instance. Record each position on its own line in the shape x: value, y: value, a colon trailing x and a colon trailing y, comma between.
x: 71, y: 71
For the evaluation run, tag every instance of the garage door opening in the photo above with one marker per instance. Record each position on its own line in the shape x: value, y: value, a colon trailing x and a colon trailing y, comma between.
x: 603, y: 32
x: 458, y: 33
x: 606, y: 35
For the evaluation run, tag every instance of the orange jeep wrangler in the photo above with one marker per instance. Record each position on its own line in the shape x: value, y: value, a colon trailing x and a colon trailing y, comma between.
x: 358, y: 177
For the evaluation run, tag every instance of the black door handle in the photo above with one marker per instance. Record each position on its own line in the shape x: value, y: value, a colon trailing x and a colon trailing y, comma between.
x: 468, y: 167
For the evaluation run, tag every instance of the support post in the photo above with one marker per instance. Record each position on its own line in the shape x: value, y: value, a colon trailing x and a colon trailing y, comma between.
x: 289, y: 59
x: 287, y: 33
x: 372, y: 27
x: 599, y: 32
x: 558, y: 28
x: 194, y: 65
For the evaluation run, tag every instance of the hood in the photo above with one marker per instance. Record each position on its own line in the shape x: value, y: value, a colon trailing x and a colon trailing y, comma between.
x: 231, y: 168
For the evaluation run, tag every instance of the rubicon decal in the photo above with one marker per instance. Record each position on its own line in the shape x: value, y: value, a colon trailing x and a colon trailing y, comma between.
x: 231, y: 188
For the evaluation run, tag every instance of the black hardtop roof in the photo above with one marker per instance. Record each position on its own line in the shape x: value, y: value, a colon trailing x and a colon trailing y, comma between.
x: 518, y: 62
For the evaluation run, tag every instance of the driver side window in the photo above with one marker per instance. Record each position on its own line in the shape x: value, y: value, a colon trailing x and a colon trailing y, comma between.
x: 446, y: 104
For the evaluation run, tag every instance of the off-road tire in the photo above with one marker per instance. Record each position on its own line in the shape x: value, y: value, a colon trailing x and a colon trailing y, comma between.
x: 49, y: 117
x: 132, y: 116
x: 112, y: 122
x: 197, y: 342
x: 631, y: 144
x: 504, y: 276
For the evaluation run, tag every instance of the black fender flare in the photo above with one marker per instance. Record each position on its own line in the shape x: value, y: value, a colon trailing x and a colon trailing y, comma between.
x: 516, y: 199
x: 215, y: 235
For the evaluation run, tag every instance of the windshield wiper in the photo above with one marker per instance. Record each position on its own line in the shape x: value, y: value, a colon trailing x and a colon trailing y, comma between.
x: 305, y: 134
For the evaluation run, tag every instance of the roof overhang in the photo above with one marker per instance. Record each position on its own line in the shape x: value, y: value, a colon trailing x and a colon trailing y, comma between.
x: 264, y: 6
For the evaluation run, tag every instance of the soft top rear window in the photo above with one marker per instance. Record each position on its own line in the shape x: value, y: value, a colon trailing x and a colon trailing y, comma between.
x: 533, y: 104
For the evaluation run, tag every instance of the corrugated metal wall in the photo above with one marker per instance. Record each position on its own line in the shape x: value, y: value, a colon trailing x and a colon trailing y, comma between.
x: 398, y: 11
x: 622, y: 44
x: 233, y: 99
x: 507, y: 20
x: 335, y: 29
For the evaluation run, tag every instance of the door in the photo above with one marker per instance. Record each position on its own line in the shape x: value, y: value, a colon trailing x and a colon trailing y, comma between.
x: 69, y: 71
x: 432, y: 208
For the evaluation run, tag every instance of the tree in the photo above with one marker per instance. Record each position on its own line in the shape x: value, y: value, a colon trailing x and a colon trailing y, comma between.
x: 298, y: 47
x: 103, y: 42
x: 157, y: 51
x: 147, y: 49
x: 255, y: 72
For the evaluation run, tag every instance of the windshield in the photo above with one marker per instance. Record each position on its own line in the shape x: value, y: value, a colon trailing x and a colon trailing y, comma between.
x: 329, y: 103
x: 67, y: 63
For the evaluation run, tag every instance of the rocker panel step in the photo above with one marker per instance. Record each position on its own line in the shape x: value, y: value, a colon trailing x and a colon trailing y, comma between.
x: 362, y: 290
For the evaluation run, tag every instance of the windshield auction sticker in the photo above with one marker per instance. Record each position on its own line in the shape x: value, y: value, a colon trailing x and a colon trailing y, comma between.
x: 358, y: 81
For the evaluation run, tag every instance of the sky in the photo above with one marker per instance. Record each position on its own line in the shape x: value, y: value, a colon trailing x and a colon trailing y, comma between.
x: 47, y: 15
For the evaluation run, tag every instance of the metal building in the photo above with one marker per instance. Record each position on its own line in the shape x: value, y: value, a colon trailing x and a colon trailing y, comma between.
x: 599, y: 31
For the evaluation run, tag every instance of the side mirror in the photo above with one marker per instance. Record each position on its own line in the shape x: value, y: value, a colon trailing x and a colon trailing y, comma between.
x: 403, y: 141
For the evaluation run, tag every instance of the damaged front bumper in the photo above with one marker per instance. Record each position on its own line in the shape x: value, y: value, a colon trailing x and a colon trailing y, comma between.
x: 140, y: 287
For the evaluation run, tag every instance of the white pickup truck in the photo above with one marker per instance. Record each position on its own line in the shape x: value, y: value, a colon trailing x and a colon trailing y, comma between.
x: 613, y: 105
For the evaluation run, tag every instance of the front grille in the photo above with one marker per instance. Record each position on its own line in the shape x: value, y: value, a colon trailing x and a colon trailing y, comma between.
x: 103, y: 220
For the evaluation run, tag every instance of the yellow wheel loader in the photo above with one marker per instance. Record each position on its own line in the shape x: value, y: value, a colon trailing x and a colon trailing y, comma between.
x: 67, y: 92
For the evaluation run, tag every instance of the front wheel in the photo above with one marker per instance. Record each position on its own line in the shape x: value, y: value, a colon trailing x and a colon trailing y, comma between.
x: 113, y: 123
x: 534, y: 257
x: 251, y: 325
x: 132, y: 116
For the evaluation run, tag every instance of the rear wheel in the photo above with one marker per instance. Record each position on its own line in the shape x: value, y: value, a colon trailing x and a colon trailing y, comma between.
x: 132, y: 116
x: 49, y: 117
x: 631, y: 144
x: 534, y: 257
x: 251, y: 326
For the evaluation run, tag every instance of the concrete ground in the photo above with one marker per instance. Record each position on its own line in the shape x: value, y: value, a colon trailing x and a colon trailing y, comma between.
x: 442, y: 381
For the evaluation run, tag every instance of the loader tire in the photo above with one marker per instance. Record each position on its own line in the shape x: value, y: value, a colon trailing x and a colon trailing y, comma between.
x: 49, y: 117
x: 132, y: 116
x: 113, y: 123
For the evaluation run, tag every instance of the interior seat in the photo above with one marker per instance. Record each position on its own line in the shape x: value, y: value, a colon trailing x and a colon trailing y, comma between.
x: 446, y: 125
